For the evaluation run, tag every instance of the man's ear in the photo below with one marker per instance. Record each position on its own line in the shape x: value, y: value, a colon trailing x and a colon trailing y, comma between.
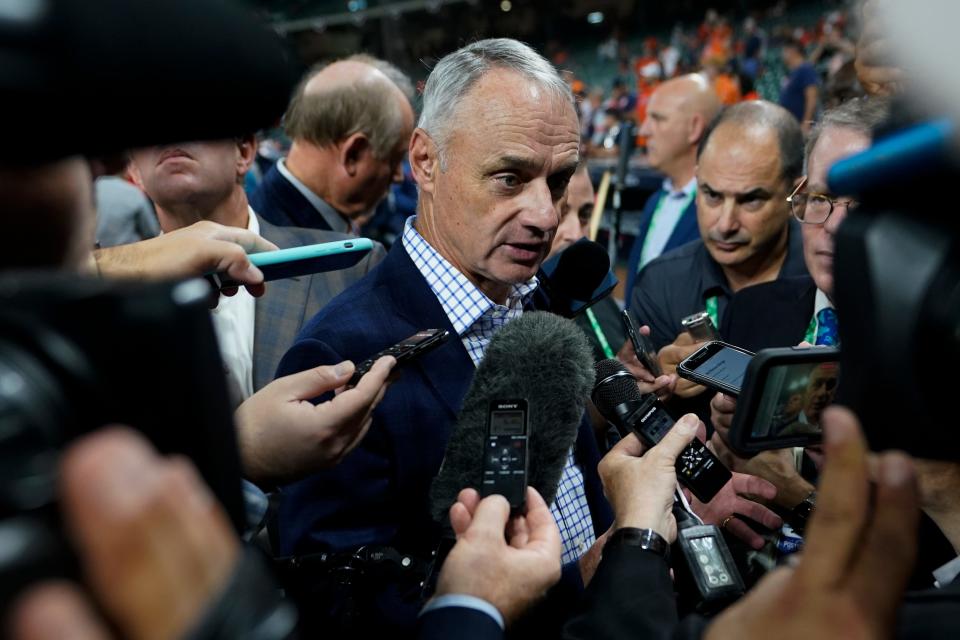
x: 134, y: 172
x: 698, y: 125
x: 247, y: 148
x: 424, y: 159
x: 353, y: 151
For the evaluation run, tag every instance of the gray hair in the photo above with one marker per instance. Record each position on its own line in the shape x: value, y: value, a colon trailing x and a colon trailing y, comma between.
x: 330, y: 114
x: 456, y: 73
x: 863, y: 115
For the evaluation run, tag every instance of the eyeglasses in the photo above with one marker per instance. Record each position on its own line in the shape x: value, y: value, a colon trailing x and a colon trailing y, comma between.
x: 815, y: 208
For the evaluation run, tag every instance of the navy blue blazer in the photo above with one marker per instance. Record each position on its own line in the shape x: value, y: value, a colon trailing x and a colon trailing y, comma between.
x: 379, y: 493
x: 280, y: 203
x: 685, y: 231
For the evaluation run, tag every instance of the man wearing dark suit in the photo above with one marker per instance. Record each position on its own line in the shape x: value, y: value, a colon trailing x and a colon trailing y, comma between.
x: 678, y: 114
x: 350, y: 124
x: 788, y: 311
x: 203, y: 181
x: 488, y: 211
x: 750, y: 160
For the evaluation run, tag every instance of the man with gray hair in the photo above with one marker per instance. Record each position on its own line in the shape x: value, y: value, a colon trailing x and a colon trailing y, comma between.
x: 350, y: 122
x: 496, y: 144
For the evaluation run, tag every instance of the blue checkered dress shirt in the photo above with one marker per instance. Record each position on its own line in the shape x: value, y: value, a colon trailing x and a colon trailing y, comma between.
x: 475, y: 318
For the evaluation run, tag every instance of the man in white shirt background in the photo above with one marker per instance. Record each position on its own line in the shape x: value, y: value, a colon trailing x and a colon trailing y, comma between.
x: 677, y: 115
x: 194, y: 181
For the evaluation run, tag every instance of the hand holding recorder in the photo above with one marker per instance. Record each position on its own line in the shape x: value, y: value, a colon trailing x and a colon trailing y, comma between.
x: 640, y: 481
x: 508, y: 561
x: 283, y: 436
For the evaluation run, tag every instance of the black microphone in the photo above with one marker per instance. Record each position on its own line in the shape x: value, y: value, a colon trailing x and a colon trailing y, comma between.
x: 619, y: 400
x: 576, y: 277
x: 540, y: 358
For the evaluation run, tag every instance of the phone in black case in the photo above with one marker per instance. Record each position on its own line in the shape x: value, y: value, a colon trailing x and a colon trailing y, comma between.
x: 642, y: 345
x: 404, y: 351
x: 717, y: 365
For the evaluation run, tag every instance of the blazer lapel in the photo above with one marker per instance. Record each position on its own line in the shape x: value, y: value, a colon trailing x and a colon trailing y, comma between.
x: 448, y: 369
x: 279, y: 313
x: 289, y: 206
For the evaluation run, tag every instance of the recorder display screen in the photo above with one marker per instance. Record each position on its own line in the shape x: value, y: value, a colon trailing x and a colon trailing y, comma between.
x: 506, y: 423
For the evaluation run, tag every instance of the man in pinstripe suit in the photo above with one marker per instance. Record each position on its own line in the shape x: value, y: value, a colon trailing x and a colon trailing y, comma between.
x: 196, y: 181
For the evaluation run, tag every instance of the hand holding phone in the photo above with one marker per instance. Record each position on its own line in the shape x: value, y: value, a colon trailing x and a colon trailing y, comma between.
x: 717, y: 365
x: 642, y: 345
x: 299, y: 261
x: 404, y: 351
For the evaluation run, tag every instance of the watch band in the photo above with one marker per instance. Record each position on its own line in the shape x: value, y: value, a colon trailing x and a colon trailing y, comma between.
x: 646, y: 539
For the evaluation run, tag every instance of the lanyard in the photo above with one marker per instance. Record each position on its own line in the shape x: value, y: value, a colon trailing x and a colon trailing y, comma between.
x: 712, y: 311
x: 653, y: 223
x: 607, y: 351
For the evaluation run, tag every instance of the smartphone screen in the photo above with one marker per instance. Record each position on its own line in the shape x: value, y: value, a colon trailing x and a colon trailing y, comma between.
x: 727, y: 367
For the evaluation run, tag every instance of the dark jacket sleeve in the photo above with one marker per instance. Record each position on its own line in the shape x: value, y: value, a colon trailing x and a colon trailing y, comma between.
x: 461, y: 623
x: 631, y: 596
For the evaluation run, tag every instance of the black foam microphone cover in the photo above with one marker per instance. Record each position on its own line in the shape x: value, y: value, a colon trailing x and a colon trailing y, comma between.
x: 544, y: 359
x: 581, y: 268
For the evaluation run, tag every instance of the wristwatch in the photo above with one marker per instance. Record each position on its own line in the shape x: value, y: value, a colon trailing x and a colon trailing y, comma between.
x: 800, y: 514
x: 646, y: 539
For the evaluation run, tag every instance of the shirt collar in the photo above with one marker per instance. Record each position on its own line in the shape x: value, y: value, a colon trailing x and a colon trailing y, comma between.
x: 333, y: 217
x: 462, y: 301
x: 821, y: 302
x: 253, y: 224
x: 686, y: 191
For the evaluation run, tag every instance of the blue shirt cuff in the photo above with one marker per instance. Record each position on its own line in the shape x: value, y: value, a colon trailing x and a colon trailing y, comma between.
x: 465, y: 601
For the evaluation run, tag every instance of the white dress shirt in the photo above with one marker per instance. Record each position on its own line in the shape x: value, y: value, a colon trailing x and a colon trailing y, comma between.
x: 233, y: 321
x: 667, y: 214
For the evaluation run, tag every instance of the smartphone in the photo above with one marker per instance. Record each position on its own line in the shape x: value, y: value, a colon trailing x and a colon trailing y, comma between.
x: 507, y: 458
x: 299, y: 261
x: 717, y: 365
x: 784, y: 394
x: 404, y: 351
x: 700, y: 327
x: 642, y: 345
